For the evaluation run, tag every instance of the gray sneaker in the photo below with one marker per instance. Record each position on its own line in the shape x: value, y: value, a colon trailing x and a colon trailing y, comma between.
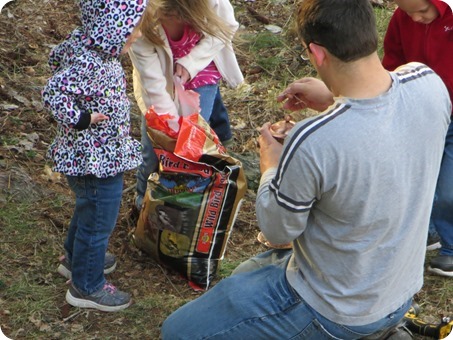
x: 107, y: 299
x: 64, y: 268
x: 399, y: 332
x: 442, y: 265
x: 433, y: 242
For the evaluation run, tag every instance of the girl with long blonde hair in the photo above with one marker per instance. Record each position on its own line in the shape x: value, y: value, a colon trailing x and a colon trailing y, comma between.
x: 189, y: 39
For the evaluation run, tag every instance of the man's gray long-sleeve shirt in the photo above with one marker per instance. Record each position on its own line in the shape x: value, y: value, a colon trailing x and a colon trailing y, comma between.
x: 353, y: 192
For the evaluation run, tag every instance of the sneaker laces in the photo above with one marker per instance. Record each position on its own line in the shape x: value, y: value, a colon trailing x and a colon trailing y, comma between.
x: 109, y: 288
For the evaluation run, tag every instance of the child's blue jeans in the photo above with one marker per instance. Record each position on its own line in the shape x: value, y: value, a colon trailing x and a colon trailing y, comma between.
x: 96, y: 211
x: 260, y: 304
x: 442, y: 213
x: 212, y: 110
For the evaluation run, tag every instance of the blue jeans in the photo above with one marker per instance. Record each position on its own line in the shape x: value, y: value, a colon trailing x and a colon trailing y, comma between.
x: 96, y: 211
x: 212, y: 110
x: 149, y: 164
x: 260, y: 304
x: 442, y: 213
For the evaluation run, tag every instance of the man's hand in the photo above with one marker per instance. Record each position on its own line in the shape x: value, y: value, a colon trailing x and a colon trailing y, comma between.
x: 306, y: 93
x: 270, y: 149
x: 181, y: 72
x: 98, y: 117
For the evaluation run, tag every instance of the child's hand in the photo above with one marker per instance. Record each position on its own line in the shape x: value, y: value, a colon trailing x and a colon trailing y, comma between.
x: 182, y: 73
x: 306, y: 92
x: 98, y: 117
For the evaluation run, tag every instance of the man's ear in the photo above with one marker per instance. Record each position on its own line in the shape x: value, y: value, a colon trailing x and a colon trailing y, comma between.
x: 319, y: 53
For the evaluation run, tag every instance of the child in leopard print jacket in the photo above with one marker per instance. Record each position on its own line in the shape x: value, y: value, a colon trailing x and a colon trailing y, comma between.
x: 87, y: 97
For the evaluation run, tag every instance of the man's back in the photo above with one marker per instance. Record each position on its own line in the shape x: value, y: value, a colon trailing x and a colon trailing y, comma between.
x: 361, y: 175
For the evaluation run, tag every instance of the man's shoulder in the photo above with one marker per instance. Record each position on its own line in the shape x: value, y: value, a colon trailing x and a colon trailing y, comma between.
x: 418, y: 75
x: 419, y: 83
x: 413, y: 70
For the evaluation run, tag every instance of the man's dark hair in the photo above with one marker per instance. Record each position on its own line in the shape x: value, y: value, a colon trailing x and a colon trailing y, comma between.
x: 346, y: 28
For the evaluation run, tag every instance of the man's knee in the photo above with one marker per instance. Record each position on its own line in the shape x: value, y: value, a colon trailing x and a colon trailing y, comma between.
x: 170, y: 329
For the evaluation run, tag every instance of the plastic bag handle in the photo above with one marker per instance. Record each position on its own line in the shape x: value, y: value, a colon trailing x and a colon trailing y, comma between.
x: 189, y: 100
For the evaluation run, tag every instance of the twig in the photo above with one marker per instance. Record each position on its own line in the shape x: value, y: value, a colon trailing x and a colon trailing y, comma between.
x: 174, y: 287
x: 132, y: 187
x: 72, y: 316
x: 258, y: 16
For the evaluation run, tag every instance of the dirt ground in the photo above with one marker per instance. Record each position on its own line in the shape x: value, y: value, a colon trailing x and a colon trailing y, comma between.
x: 28, y: 30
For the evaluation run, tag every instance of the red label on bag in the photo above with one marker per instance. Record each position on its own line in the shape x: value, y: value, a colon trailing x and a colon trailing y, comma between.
x: 172, y: 163
x: 212, y: 214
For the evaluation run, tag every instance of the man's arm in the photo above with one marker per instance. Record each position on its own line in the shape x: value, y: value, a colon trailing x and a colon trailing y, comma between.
x: 306, y: 93
x: 279, y: 223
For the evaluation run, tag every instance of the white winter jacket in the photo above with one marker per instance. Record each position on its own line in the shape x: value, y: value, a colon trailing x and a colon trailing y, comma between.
x: 153, y: 65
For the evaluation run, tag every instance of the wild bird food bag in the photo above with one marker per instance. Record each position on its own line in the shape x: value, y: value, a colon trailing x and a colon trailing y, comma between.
x: 192, y: 201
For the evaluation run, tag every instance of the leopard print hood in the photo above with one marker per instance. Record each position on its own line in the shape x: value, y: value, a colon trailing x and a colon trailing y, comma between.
x: 108, y: 23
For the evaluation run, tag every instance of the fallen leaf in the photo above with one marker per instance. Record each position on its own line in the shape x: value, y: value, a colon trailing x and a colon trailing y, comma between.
x: 29, y: 70
x: 273, y: 28
x: 26, y: 145
x: 50, y: 175
x: 8, y: 107
x: 241, y: 124
x: 65, y: 310
x: 18, y: 97
x: 32, y: 137
x: 45, y: 328
x: 77, y: 328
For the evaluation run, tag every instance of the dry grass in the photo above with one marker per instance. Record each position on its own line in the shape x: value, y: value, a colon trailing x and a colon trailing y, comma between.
x: 35, y: 210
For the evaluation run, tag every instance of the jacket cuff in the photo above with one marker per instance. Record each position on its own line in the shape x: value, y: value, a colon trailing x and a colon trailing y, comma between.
x: 84, y: 121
